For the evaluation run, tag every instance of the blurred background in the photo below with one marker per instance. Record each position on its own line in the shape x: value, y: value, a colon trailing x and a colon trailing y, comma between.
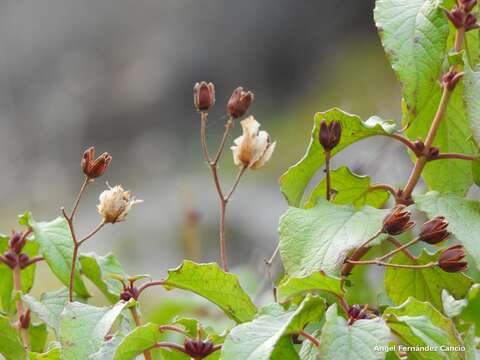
x: 119, y: 74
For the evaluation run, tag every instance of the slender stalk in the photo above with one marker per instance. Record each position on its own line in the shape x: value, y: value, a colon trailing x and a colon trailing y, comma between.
x: 172, y: 328
x: 136, y: 318
x: 393, y: 252
x: 404, y: 141
x: 398, y: 245
x: 456, y: 156
x: 17, y: 282
x: 235, y: 184
x: 150, y: 284
x: 79, y: 196
x: 381, y: 263
x: 459, y: 39
x: 228, y: 127
x: 268, y: 265
x: 93, y: 232
x: 343, y: 303
x: 328, y: 156
x: 223, y: 251
x: 385, y: 187
x: 203, y: 126
x: 310, y: 338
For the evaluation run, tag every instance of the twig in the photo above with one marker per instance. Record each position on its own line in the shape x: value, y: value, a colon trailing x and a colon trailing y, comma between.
x: 93, y: 232
x: 235, y: 184
x: 381, y: 263
x: 310, y: 338
x: 328, y: 156
x: 455, y: 156
x: 404, y: 140
x: 17, y: 282
x: 228, y: 127
x: 385, y: 187
x: 268, y: 265
x: 398, y: 245
x: 149, y: 284
x: 393, y: 252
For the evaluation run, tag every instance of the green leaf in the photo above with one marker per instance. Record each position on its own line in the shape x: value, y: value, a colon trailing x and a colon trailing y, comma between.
x: 108, y: 348
x: 463, y: 216
x: 6, y: 276
x: 49, y: 308
x: 414, y: 34
x: 423, y: 284
x: 471, y: 311
x: 56, y: 246
x: 83, y: 328
x: 471, y: 81
x: 318, y: 281
x: 10, y: 344
x: 38, y: 337
x: 140, y: 339
x: 53, y: 354
x: 212, y: 283
x: 357, y: 341
x: 451, y: 306
x: 98, y: 268
x: 294, y: 182
x: 469, y: 341
x: 349, y: 188
x: 268, y: 333
x: 418, y: 323
x: 320, y: 238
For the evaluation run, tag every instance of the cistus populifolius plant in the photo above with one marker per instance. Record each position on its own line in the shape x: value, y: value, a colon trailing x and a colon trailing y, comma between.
x: 422, y: 241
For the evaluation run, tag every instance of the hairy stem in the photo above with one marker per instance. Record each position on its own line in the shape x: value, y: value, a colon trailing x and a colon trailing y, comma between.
x: 136, y: 318
x: 17, y: 282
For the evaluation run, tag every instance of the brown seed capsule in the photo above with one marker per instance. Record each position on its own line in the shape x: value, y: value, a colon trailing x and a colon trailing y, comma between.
x: 329, y: 134
x: 398, y: 221
x: 471, y: 22
x: 239, y: 102
x: 198, y: 349
x: 95, y: 168
x: 434, y: 230
x: 467, y: 5
x: 10, y: 259
x: 450, y: 259
x: 23, y: 260
x: 455, y: 16
x: 203, y: 96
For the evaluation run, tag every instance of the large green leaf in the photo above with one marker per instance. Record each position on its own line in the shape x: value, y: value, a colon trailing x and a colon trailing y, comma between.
x: 137, y: 341
x: 349, y: 188
x: 11, y: 346
x: 463, y: 216
x: 37, y: 334
x: 56, y: 246
x: 320, y: 238
x: 98, y: 268
x: 294, y: 182
x: 339, y: 340
x: 215, y: 285
x: 83, y: 328
x: 418, y: 323
x: 293, y: 286
x: 414, y: 34
x: 6, y: 276
x: 269, y: 332
x: 423, y: 284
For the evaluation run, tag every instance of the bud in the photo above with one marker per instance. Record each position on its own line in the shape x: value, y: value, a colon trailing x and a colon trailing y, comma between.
x: 398, y: 221
x: 239, y: 102
x: 455, y: 16
x: 329, y: 135
x: 24, y: 320
x: 10, y: 259
x: 450, y: 259
x: 471, y: 22
x: 95, y: 168
x: 253, y: 149
x: 450, y: 79
x: 434, y: 231
x: 198, y: 349
x: 467, y: 5
x: 17, y: 242
x: 128, y: 293
x: 23, y: 261
x: 203, y: 96
x: 115, y: 203
x: 359, y: 312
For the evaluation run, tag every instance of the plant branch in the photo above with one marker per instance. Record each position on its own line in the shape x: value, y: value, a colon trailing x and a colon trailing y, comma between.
x: 136, y: 318
x: 310, y: 338
x: 404, y: 141
x: 79, y: 196
x: 150, y: 284
x: 381, y: 263
x: 385, y: 187
x: 228, y: 127
x: 393, y: 252
x: 398, y: 245
x: 328, y: 156
x: 456, y: 156
x: 17, y: 282
x: 235, y: 184
x: 93, y: 232
x: 172, y: 328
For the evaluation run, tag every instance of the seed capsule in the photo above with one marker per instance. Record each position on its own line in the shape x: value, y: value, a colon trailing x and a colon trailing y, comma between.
x: 115, y: 204
x: 203, y: 96
x: 450, y: 259
x: 198, y: 349
x: 329, y: 135
x: 92, y: 167
x: 17, y: 242
x: 434, y: 231
x: 239, y: 102
x: 398, y: 221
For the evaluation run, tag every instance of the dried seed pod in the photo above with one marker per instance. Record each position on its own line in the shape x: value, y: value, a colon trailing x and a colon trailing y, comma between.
x: 398, y: 221
x: 329, y: 134
x: 434, y: 230
x: 451, y: 259
x: 115, y: 204
x: 198, y: 349
x: 92, y: 167
x: 239, y: 102
x: 17, y: 242
x: 203, y: 96
x: 23, y: 261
